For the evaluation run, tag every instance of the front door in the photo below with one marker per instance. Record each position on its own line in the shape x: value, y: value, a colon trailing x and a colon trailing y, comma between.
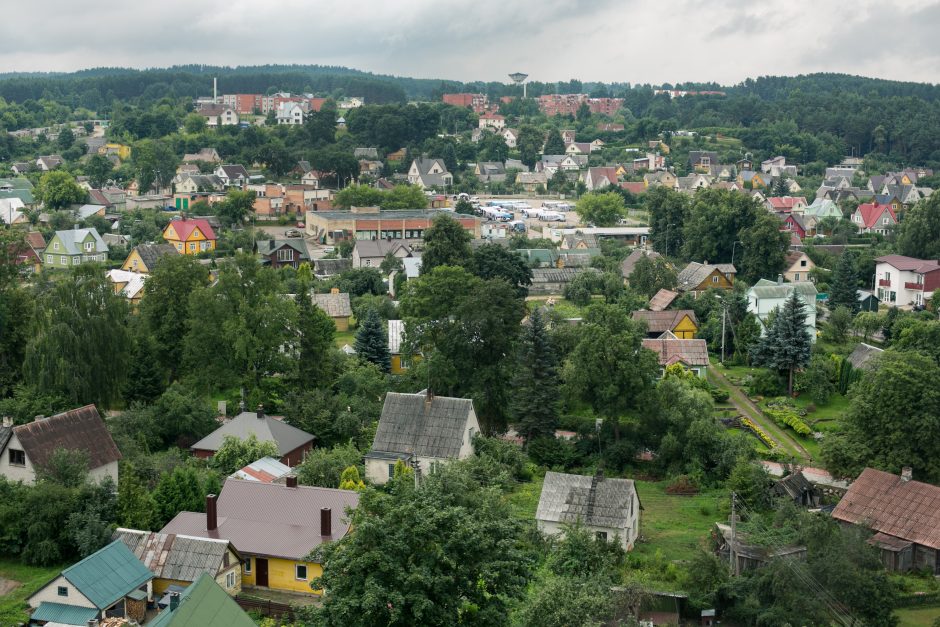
x: 261, y: 572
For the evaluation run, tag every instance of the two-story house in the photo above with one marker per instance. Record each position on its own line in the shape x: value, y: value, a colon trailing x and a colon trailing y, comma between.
x: 874, y: 218
x: 766, y: 296
x: 905, y: 281
x: 798, y: 266
x: 232, y: 175
x: 699, y: 277
x: 429, y: 173
x: 75, y: 247
x: 190, y: 236
x: 278, y: 253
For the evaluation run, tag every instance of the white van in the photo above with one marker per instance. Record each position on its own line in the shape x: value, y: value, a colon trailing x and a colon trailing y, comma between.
x: 552, y: 216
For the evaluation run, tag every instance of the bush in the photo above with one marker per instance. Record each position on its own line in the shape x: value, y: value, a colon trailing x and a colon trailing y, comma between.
x: 553, y: 452
x: 764, y: 383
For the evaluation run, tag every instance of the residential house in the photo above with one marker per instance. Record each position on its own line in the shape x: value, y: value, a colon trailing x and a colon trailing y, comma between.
x: 292, y: 443
x: 699, y: 277
x: 906, y: 281
x: 116, y: 239
x: 190, y: 236
x: 578, y: 148
x: 749, y: 179
x: 724, y: 172
x: 109, y: 582
x: 22, y: 167
x: 765, y: 296
x: 492, y: 120
x: 794, y: 223
x: 663, y: 178
x: 599, y: 178
x: 12, y: 211
x: 777, y: 166
x: 820, y: 209
x: 26, y: 447
x: 278, y: 253
x: 863, y: 356
x: 682, y: 323
x: 179, y: 560
x: 797, y: 488
x: 567, y: 135
x: 906, y: 194
x: 553, y: 281
x: 31, y: 253
x: 130, y: 285
x: 275, y: 528
x: 366, y: 153
x: 531, y: 181
x: 421, y: 430
x: 265, y: 470
x: 786, y: 204
x: 692, y: 183
x: 608, y: 508
x: 426, y: 173
x: 490, y: 172
x: 326, y: 268
x: 371, y: 223
x: 219, y: 115
x: 902, y: 513
x: 336, y: 306
x: 798, y: 266
x: 510, y: 136
x: 203, y: 604
x: 670, y: 350
x: 702, y: 160
x: 371, y: 253
x: 49, y: 162
x: 145, y: 257
x: 289, y: 113
x: 597, y: 145
x: 875, y: 218
x: 634, y: 187
x: 232, y: 175
x: 209, y: 155
x: 75, y: 247
x: 578, y: 241
x: 609, y: 127
x: 198, y: 183
x: 312, y: 178
x: 734, y: 547
x: 661, y: 300
x: 396, y: 333
x: 538, y: 257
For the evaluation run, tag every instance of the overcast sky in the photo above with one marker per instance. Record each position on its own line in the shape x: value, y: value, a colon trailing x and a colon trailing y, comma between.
x: 637, y: 41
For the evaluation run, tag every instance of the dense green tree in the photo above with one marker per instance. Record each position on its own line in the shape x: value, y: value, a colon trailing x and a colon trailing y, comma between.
x: 324, y: 467
x: 463, y: 206
x: 65, y: 467
x: 843, y: 288
x: 316, y: 357
x: 668, y: 210
x: 651, y: 275
x: 446, y: 243
x: 57, y: 190
x: 444, y: 554
x: 535, y: 396
x: 99, y: 169
x: 358, y: 196
x: 786, y: 345
x: 80, y: 345
x: 764, y: 249
x: 136, y: 508
x: 918, y: 234
x: 715, y: 222
x: 237, y: 206
x: 194, y: 123
x: 601, y: 208
x: 529, y: 144
x: 372, y: 341
x: 839, y: 323
x: 404, y: 197
x: 493, y: 148
x: 236, y: 453
x: 66, y: 139
x: 182, y: 490
x: 922, y: 336
x: 491, y: 261
x: 554, y: 145
x: 360, y: 281
x: 154, y: 163
x: 146, y: 378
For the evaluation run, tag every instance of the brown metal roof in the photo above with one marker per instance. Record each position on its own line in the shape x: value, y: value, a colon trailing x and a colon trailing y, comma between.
x: 670, y: 351
x: 884, y: 502
x: 662, y: 299
x: 178, y: 557
x: 79, y: 429
x: 270, y: 519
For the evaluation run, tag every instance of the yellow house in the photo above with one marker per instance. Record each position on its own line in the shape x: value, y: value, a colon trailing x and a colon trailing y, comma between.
x: 143, y: 258
x: 681, y: 323
x: 274, y: 527
x: 190, y: 236
x: 400, y: 362
x: 179, y: 560
x: 122, y: 151
x: 756, y: 179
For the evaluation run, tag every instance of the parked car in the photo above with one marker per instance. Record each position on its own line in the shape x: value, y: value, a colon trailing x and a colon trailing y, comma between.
x: 292, y: 233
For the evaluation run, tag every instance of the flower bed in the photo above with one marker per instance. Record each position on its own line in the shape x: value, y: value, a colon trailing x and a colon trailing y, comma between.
x: 750, y: 424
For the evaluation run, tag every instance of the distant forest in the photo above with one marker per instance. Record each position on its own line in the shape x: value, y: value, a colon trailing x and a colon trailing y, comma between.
x: 855, y: 114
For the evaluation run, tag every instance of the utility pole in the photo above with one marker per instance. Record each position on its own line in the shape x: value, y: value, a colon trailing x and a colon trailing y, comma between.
x: 724, y: 316
x: 731, y: 559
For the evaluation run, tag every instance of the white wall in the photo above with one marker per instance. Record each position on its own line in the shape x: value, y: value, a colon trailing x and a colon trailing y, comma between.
x: 26, y: 474
x: 50, y: 594
x: 626, y: 536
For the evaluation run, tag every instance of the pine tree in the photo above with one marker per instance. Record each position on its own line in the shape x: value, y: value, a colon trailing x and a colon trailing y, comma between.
x: 554, y: 145
x: 534, y: 402
x: 314, y: 364
x: 844, y: 287
x: 786, y: 345
x: 372, y: 342
x: 136, y: 508
x: 146, y: 380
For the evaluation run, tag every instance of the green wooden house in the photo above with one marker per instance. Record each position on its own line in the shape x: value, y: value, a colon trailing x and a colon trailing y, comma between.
x: 73, y: 248
x: 203, y: 604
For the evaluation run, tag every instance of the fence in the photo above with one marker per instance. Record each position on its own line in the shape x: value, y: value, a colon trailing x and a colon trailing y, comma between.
x: 265, y: 607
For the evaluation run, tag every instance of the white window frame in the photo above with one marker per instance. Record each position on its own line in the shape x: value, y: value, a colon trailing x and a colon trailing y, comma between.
x: 230, y: 580
x: 246, y: 566
x: 297, y: 568
x: 49, y: 259
x: 55, y: 246
x: 285, y: 254
x: 63, y: 260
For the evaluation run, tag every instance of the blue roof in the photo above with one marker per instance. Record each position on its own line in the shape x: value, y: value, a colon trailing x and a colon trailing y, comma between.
x: 64, y: 614
x: 108, y: 574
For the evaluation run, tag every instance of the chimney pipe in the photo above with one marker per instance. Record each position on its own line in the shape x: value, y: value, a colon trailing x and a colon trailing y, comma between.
x: 260, y: 412
x: 212, y: 519
x: 906, y: 474
x: 174, y: 600
x: 291, y: 481
x: 326, y: 522
x: 7, y: 421
x: 779, y: 279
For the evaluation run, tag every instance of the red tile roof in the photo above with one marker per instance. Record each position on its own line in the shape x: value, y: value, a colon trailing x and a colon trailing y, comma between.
x: 785, y: 203
x: 185, y: 228
x: 872, y: 212
x: 884, y: 502
x: 634, y: 188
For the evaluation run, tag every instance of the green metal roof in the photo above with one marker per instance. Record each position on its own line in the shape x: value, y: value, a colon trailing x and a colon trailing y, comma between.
x: 107, y: 575
x: 23, y: 194
x: 65, y: 614
x: 204, y: 604
x: 16, y: 182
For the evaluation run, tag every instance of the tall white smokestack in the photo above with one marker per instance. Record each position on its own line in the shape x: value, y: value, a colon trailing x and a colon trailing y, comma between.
x: 215, y: 90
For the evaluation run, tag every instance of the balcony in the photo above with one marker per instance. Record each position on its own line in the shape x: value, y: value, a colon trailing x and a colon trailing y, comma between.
x: 884, y: 282
x: 908, y: 285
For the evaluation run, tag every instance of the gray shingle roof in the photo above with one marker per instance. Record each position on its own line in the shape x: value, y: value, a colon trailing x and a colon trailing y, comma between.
x: 694, y: 273
x: 71, y: 240
x: 335, y: 305
x: 266, y: 429
x: 629, y: 263
x: 596, y: 501
x: 331, y: 267
x: 150, y: 254
x: 169, y: 556
x: 411, y: 424
x: 766, y: 288
x: 379, y: 247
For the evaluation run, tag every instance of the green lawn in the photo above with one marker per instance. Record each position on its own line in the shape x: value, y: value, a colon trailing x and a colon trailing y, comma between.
x: 563, y: 307
x: 345, y: 337
x: 675, y: 525
x: 524, y: 500
x: 13, y: 605
x: 917, y: 616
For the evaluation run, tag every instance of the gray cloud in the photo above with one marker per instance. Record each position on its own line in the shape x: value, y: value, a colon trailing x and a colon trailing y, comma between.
x: 631, y: 40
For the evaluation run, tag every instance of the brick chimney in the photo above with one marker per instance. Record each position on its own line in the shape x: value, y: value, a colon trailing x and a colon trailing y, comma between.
x: 212, y: 518
x: 906, y: 474
x: 326, y: 522
x: 291, y: 481
x: 334, y: 290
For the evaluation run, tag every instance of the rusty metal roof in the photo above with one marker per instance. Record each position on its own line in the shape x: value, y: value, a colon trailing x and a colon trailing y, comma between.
x: 178, y: 557
x: 884, y: 502
x: 660, y: 321
x: 79, y: 429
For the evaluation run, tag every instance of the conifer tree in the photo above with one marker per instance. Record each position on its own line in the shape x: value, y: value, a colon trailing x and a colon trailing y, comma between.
x: 315, y: 364
x: 372, y: 342
x: 786, y: 345
x: 554, y: 145
x: 843, y: 290
x: 146, y: 380
x: 535, y: 386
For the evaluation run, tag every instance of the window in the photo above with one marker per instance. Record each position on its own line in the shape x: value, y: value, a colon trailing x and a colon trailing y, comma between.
x: 89, y: 245
x: 300, y: 572
x: 77, y: 260
x: 714, y: 279
x: 285, y: 254
x: 55, y: 246
x: 802, y: 263
x: 64, y: 260
x: 17, y: 457
x: 369, y: 263
x: 796, y: 276
x: 602, y: 535
x: 247, y: 566
x: 192, y: 246
x: 391, y: 471
x: 62, y: 591
x: 230, y: 580
x: 49, y: 258
x: 884, y: 221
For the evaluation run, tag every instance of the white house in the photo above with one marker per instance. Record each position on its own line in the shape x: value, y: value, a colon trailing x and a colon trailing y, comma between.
x: 421, y: 430
x: 23, y: 448
x: 905, y: 281
x: 492, y: 120
x: 510, y: 136
x: 766, y: 296
x: 609, y: 508
x: 289, y: 113
x: 429, y: 173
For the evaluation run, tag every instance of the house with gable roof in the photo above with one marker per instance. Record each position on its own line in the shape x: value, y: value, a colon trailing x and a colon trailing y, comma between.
x: 190, y: 236
x: 906, y: 281
x: 426, y: 173
x: 143, y: 258
x: 670, y: 350
x: 26, y: 447
x: 765, y: 296
x: 75, y: 247
x: 874, y: 218
x: 278, y: 253
x: 607, y: 507
x: 682, y: 323
x: 798, y: 266
x: 335, y: 305
x: 699, y: 277
x: 292, y: 443
x: 599, y: 178
x: 109, y: 582
x: 421, y: 430
x: 265, y: 470
x: 232, y: 175
x: 202, y: 604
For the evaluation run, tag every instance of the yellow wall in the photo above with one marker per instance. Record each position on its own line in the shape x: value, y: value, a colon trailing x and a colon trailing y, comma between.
x: 342, y: 324
x: 170, y: 235
x: 686, y: 329
x: 722, y: 284
x: 397, y: 368
x: 129, y: 263
x: 281, y: 575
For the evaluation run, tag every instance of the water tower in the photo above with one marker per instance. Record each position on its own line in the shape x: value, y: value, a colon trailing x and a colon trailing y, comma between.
x: 519, y: 79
